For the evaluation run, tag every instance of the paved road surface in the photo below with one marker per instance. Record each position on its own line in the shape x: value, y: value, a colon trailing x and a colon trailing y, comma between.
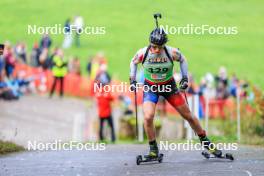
x: 120, y: 160
x: 36, y: 118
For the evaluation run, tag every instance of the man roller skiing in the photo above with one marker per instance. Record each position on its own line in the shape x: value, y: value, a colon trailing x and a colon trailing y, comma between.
x: 158, y: 60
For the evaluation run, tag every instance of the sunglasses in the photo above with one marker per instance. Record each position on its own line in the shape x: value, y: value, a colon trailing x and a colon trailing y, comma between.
x: 156, y: 46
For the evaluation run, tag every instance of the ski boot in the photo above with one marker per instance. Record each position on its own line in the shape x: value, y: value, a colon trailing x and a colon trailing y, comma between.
x: 206, y: 143
x: 213, y: 150
x: 153, y: 155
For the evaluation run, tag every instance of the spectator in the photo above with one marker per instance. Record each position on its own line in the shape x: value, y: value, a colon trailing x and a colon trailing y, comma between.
x: 74, y: 66
x: 5, y: 92
x: 43, y: 58
x: 45, y: 42
x: 202, y: 87
x: 234, y: 84
x: 67, y: 34
x: 222, y: 84
x: 78, y: 25
x: 20, y: 51
x: 54, y: 52
x: 192, y: 89
x: 103, y: 76
x: 9, y: 59
x: 221, y: 91
x: 2, y: 64
x: 47, y: 64
x: 20, y: 84
x: 104, y: 100
x: 244, y: 89
x: 59, y: 71
x: 34, y: 57
x: 97, y: 61
x: 1, y: 49
x: 89, y: 66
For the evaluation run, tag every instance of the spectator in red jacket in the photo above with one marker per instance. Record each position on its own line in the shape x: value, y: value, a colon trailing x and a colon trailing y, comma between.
x: 104, y: 100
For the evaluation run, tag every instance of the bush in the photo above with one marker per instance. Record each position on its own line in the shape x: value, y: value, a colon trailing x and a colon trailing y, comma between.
x: 8, y: 147
x: 259, y: 105
x: 128, y: 127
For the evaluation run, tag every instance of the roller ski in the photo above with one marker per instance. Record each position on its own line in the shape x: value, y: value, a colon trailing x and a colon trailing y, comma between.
x: 153, y: 155
x: 148, y: 158
x: 212, y: 151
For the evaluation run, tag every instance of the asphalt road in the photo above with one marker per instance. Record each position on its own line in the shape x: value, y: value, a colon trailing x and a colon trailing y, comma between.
x: 38, y: 118
x: 120, y: 160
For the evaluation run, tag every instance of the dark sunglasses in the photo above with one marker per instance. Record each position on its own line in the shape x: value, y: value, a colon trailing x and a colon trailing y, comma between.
x: 156, y: 46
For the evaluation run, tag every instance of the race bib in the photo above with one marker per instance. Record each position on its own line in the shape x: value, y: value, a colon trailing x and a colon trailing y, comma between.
x: 158, y: 76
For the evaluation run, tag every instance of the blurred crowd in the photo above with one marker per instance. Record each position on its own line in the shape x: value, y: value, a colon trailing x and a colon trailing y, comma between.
x: 45, y: 56
x: 220, y: 86
x: 13, y: 86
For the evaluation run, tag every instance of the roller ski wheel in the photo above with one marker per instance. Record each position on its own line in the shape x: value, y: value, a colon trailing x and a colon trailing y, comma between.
x: 208, y: 155
x: 146, y: 158
x: 139, y: 159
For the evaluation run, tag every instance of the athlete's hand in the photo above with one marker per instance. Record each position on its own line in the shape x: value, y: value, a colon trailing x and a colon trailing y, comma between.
x: 133, y: 84
x: 184, y: 83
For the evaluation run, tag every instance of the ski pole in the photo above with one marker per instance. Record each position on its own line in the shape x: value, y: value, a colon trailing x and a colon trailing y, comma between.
x: 186, y: 99
x: 136, y: 113
x: 156, y: 16
x: 185, y: 96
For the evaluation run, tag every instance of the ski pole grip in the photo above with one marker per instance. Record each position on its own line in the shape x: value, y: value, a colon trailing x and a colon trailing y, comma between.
x: 157, y: 15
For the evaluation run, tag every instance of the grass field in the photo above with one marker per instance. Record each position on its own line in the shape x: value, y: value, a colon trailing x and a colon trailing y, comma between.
x: 128, y: 24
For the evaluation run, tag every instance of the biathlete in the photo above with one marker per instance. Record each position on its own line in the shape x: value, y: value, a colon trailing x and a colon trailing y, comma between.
x: 158, y: 60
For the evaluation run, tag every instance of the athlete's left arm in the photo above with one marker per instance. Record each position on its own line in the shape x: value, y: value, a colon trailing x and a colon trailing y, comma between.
x: 134, y: 62
x: 178, y: 56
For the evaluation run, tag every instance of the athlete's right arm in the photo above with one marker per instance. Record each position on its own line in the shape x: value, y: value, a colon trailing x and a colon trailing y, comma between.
x: 138, y: 58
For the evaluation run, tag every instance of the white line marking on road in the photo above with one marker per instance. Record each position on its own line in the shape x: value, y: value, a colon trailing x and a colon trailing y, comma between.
x: 248, y: 172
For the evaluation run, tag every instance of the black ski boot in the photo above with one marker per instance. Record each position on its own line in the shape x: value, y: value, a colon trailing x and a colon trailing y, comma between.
x: 153, y: 150
x: 153, y: 154
x: 206, y: 143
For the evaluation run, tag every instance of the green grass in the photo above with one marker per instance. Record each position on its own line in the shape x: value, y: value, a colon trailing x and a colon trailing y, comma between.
x: 9, y: 147
x: 128, y: 24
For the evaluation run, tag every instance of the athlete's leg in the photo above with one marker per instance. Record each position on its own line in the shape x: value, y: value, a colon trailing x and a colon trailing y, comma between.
x: 150, y: 100
x: 192, y: 120
x: 178, y: 102
x: 149, y: 112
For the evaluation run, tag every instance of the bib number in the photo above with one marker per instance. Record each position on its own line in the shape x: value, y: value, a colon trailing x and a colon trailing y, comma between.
x: 158, y: 70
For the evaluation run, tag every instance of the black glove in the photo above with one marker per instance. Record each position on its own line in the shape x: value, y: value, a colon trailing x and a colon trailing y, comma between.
x: 184, y: 83
x: 133, y: 84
